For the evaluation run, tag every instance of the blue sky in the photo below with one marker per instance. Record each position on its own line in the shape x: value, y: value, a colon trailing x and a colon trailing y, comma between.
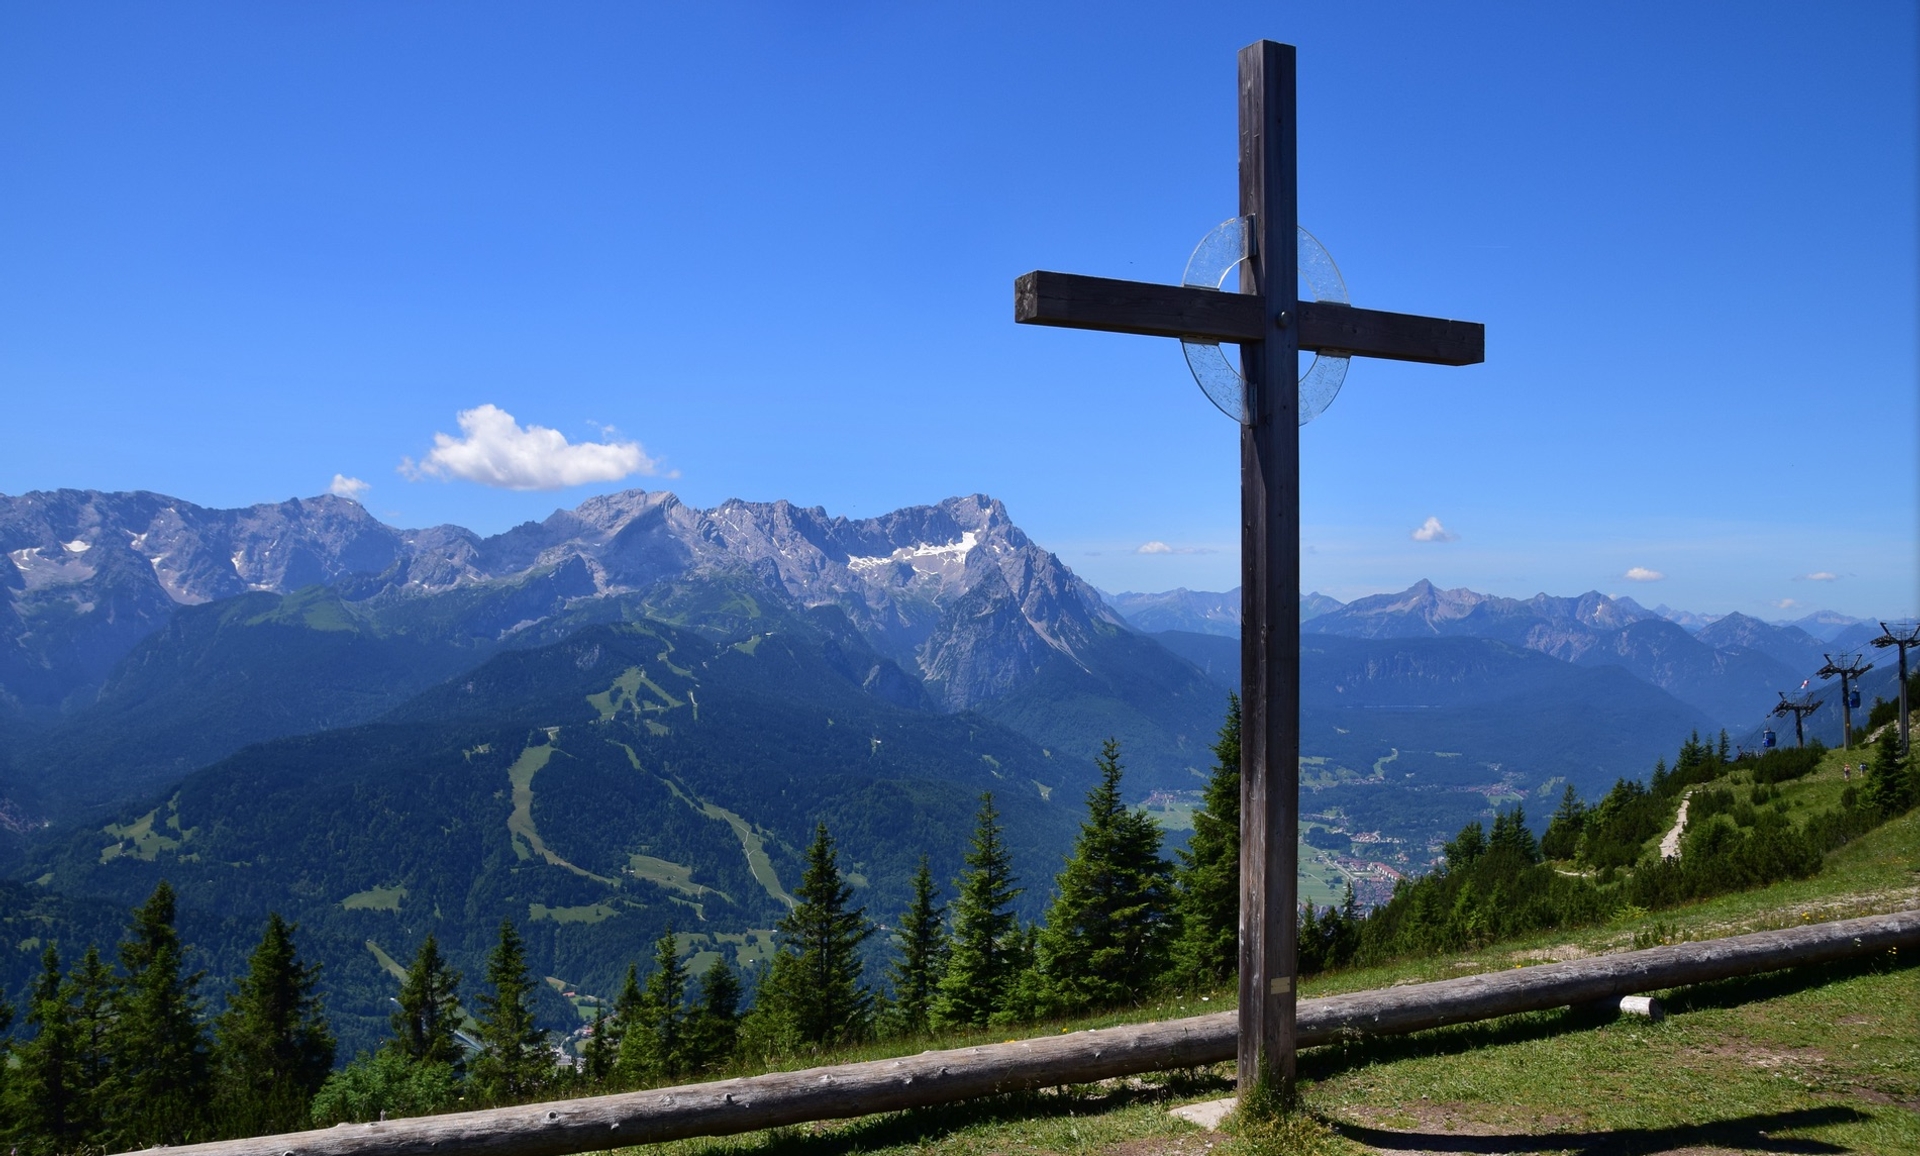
x: 766, y: 251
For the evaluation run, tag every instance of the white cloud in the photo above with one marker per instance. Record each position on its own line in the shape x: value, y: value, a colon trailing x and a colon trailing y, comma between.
x: 1163, y: 548
x: 1787, y: 604
x: 498, y: 451
x: 346, y: 487
x: 1642, y: 574
x: 1817, y: 576
x: 1432, y: 531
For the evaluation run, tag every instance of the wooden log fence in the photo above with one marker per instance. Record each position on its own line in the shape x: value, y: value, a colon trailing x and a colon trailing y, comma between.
x: 755, y: 1102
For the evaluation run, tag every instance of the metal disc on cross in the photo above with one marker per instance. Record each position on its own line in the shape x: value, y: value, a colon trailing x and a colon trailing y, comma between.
x: 1219, y: 256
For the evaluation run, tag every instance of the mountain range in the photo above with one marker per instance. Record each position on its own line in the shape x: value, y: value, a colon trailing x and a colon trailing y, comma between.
x: 1729, y: 667
x: 135, y: 615
x: 632, y: 713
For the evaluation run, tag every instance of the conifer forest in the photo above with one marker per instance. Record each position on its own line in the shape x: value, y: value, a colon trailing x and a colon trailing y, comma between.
x: 121, y: 1046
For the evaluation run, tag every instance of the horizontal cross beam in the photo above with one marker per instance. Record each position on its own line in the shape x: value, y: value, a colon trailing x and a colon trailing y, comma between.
x: 1070, y: 301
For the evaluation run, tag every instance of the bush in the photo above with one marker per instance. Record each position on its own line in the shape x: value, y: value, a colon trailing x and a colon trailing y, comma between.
x: 1704, y: 805
x: 1489, y: 889
x: 384, y: 1084
x: 1621, y: 824
x: 1786, y: 764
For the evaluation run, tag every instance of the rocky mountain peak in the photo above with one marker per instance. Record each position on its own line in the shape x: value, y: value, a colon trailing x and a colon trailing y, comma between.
x: 1790, y: 645
x: 898, y: 577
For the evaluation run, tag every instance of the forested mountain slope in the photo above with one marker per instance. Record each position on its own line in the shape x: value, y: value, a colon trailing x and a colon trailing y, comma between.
x: 593, y: 791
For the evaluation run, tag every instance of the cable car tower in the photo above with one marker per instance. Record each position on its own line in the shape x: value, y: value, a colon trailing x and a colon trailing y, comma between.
x: 1799, y: 707
x: 1846, y: 667
x: 1902, y: 634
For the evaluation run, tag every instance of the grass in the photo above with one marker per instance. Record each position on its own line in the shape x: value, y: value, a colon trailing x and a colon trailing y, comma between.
x: 750, y: 948
x: 387, y: 963
x: 1816, y: 1056
x: 137, y: 839
x: 1812, y: 1060
x: 1815, y: 1060
x: 624, y: 694
x: 671, y: 875
x: 1321, y: 881
x: 140, y: 840
x: 1082, y: 1119
x: 375, y: 899
x: 520, y: 822
x: 526, y: 839
x: 589, y: 913
x: 609, y: 701
x: 752, y: 845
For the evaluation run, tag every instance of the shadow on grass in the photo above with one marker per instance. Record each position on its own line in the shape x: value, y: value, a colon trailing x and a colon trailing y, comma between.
x: 920, y: 1126
x: 1330, y: 1060
x: 1726, y: 993
x: 1741, y: 1133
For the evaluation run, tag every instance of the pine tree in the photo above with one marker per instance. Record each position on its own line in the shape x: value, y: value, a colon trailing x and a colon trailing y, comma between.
x: 1027, y: 998
x: 601, y: 1051
x: 1465, y: 849
x: 1562, y: 840
x: 923, y: 947
x: 90, y: 1017
x: 1891, y: 785
x: 626, y: 1012
x: 812, y: 995
x: 1510, y: 834
x: 41, y: 1094
x: 982, y: 958
x: 714, y: 1027
x: 273, y: 1047
x: 651, y: 1047
x: 513, y: 1063
x: 1208, y: 882
x: 159, y: 1070
x: 1108, y: 928
x: 429, y: 1011
x: 1329, y: 938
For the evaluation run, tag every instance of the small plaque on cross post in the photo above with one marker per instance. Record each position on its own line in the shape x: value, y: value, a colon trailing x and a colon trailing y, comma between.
x: 1272, y: 325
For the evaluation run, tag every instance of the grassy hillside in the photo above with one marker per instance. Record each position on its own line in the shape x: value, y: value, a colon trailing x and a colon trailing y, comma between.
x: 1823, y: 1059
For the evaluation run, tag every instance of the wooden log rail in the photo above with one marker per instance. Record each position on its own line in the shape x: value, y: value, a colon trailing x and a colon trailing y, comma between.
x: 755, y: 1102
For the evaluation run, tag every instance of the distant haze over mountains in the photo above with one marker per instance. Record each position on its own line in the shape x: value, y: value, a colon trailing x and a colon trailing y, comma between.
x: 1205, y: 612
x: 1729, y: 666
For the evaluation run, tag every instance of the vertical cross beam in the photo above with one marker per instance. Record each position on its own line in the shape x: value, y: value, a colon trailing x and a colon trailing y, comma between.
x: 1270, y: 569
x: 1272, y: 326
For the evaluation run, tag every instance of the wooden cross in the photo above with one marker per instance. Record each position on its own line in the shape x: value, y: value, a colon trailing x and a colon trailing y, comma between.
x: 1272, y: 325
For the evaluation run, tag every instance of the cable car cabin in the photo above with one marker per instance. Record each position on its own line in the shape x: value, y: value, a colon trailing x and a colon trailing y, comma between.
x: 1853, y: 700
x: 1767, y: 740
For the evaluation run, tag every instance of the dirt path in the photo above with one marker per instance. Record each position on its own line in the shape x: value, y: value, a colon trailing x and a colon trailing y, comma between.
x: 1670, y: 842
